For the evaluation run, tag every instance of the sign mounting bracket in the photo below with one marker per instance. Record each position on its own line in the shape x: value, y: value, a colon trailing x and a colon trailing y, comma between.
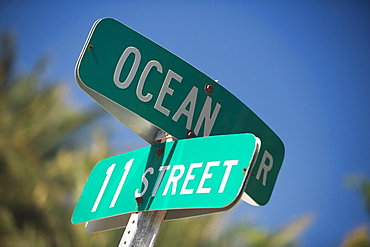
x: 143, y: 227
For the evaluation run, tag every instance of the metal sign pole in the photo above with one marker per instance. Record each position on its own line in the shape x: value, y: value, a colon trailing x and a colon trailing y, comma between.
x: 142, y: 228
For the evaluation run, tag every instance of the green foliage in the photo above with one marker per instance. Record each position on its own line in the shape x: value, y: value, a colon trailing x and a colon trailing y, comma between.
x: 365, y: 190
x: 214, y: 230
x: 362, y: 185
x: 358, y: 238
x: 40, y: 176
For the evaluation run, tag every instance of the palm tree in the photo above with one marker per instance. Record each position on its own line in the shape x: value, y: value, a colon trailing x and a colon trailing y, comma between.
x: 360, y: 236
x: 216, y: 231
x: 42, y: 170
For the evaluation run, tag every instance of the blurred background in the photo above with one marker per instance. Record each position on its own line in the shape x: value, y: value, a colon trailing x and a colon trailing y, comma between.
x: 302, y: 67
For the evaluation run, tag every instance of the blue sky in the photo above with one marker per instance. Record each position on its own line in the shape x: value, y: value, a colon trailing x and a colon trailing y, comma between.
x: 303, y: 67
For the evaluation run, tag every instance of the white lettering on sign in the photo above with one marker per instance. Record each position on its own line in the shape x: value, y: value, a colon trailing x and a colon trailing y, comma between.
x: 164, y: 168
x: 173, y: 180
x: 145, y: 182
x: 265, y: 167
x: 205, y: 176
x: 144, y: 75
x: 206, y: 118
x: 178, y: 171
x: 166, y: 90
x: 192, y: 100
x: 189, y: 177
x: 229, y: 164
x: 105, y: 183
x: 121, y: 182
x: 104, y: 186
x: 121, y: 62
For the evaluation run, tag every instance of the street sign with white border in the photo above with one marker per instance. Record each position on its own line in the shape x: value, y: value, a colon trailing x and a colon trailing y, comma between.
x: 198, y: 173
x: 148, y: 88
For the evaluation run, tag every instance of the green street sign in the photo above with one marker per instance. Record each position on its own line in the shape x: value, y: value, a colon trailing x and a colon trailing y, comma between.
x: 208, y: 172
x: 148, y: 88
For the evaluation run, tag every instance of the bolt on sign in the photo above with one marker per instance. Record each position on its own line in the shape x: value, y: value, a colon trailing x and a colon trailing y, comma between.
x: 148, y: 88
x: 208, y: 172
